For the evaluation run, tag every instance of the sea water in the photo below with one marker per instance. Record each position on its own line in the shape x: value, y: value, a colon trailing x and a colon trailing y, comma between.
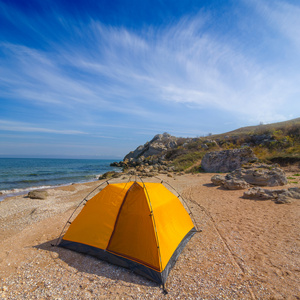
x: 19, y: 175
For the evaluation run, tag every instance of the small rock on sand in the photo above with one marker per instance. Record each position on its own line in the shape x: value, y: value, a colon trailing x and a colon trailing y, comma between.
x: 38, y: 194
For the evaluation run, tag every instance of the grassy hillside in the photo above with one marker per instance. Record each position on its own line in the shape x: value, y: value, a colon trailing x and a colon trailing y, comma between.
x: 261, y: 128
x: 272, y: 143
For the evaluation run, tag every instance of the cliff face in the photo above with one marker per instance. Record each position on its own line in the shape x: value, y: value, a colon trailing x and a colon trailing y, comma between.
x: 156, y: 147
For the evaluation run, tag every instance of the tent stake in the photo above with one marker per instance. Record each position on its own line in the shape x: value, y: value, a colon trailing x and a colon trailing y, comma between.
x: 165, y: 291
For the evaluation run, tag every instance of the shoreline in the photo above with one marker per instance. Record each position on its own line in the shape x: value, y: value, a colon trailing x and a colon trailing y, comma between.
x: 247, y: 249
x: 21, y: 175
x: 14, y: 192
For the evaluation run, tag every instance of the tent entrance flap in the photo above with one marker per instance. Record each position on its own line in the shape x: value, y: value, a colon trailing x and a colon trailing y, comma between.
x: 134, y: 236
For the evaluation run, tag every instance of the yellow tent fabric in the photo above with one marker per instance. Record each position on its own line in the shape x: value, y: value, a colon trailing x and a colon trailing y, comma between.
x: 141, y: 226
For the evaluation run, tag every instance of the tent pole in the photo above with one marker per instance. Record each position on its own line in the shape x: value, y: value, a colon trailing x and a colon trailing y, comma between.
x: 68, y: 222
x: 154, y: 224
x: 179, y: 195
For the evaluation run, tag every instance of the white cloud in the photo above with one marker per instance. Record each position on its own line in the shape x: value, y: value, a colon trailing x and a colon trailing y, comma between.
x: 132, y: 73
x: 184, y: 66
x: 283, y: 17
x: 24, y: 127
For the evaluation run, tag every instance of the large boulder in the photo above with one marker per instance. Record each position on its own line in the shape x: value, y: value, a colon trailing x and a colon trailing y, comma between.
x: 229, y: 183
x: 235, y: 184
x: 287, y: 196
x: 261, y: 175
x: 259, y: 193
x: 38, y: 194
x: 256, y: 174
x: 227, y: 160
x: 218, y: 179
x: 279, y: 196
x: 110, y: 174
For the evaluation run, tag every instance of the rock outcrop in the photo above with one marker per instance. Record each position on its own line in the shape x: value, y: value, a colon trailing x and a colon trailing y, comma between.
x: 235, y: 184
x: 259, y: 193
x: 216, y: 155
x: 218, y: 179
x: 227, y: 160
x: 261, y: 175
x: 160, y: 143
x: 149, y: 159
x: 279, y: 196
x: 229, y: 182
x: 291, y: 193
x: 256, y: 174
x: 110, y: 174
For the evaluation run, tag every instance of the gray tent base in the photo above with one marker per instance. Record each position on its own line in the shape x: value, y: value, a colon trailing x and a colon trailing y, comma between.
x: 159, y: 277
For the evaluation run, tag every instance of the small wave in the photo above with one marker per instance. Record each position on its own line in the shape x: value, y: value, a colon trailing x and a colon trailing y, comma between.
x: 50, y: 180
x: 22, y: 175
x: 22, y: 191
x: 17, y: 192
x: 6, y: 192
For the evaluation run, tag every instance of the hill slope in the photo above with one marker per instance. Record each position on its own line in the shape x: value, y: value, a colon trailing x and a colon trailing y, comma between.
x: 277, y: 142
x: 260, y: 128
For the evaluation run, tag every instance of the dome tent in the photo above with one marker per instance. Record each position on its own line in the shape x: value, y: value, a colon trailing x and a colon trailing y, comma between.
x: 137, y: 225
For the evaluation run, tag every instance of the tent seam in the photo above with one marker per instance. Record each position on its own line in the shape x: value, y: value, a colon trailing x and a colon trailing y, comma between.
x: 154, y: 224
x: 117, y: 218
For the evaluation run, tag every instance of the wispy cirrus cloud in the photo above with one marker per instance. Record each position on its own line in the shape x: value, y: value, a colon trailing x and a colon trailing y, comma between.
x: 181, y: 64
x: 24, y: 127
x: 283, y: 17
x: 92, y: 72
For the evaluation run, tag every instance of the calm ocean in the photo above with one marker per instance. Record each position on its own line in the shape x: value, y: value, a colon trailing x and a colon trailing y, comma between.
x: 19, y: 175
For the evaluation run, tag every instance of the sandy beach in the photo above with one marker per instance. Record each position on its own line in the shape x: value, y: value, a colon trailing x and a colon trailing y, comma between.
x: 247, y: 249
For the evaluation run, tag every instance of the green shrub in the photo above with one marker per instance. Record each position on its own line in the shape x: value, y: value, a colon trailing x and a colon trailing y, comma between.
x: 187, y: 160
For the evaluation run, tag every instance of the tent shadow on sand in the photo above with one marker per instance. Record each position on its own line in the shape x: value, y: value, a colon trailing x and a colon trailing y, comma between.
x: 75, y: 262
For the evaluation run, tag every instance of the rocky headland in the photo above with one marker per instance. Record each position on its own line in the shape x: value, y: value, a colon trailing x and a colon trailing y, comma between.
x: 274, y: 143
x: 150, y: 159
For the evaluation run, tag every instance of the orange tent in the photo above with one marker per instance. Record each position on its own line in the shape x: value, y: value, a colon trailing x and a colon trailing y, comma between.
x: 141, y: 226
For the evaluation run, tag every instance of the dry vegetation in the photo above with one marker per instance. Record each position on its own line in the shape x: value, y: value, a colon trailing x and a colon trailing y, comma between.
x: 273, y: 143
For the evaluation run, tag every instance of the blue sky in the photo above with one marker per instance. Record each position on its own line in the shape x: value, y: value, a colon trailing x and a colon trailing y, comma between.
x: 99, y: 78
